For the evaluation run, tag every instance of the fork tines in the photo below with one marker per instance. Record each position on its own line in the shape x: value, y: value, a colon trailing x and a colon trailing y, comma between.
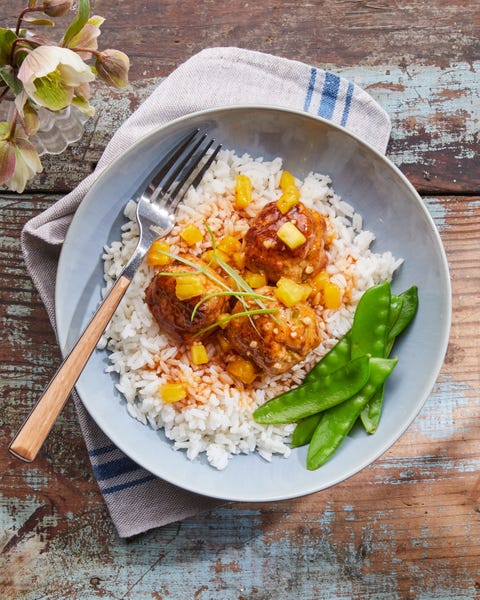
x: 183, y: 167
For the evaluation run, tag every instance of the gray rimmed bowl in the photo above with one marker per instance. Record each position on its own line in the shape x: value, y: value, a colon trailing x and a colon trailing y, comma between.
x: 391, y: 209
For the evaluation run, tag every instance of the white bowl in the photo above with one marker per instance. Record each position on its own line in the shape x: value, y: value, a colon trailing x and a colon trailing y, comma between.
x: 391, y: 209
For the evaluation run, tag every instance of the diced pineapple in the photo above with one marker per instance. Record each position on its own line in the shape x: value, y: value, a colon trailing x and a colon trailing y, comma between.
x: 224, y: 344
x: 198, y: 354
x: 290, y: 292
x: 291, y: 235
x: 320, y: 281
x: 156, y: 256
x: 173, y: 392
x: 191, y: 234
x: 288, y: 200
x: 209, y: 256
x: 286, y: 180
x: 229, y: 244
x: 189, y: 286
x: 255, y: 280
x: 239, y: 259
x: 223, y: 320
x: 332, y: 296
x: 243, y: 191
x: 242, y: 368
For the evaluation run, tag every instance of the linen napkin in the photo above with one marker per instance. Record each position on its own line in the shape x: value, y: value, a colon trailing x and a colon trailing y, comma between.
x: 137, y: 500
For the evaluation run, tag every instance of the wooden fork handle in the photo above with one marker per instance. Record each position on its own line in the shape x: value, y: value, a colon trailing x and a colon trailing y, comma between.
x: 38, y: 424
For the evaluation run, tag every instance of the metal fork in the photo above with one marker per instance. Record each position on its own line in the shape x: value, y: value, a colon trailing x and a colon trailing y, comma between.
x: 184, y: 166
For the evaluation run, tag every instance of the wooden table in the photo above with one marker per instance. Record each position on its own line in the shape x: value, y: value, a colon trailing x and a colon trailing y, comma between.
x: 405, y: 527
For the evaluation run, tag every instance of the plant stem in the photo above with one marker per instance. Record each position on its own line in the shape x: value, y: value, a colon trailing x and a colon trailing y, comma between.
x: 90, y: 50
x: 21, y: 15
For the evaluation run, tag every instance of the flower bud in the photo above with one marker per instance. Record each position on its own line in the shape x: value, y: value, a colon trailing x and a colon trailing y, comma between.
x: 112, y: 66
x: 57, y: 8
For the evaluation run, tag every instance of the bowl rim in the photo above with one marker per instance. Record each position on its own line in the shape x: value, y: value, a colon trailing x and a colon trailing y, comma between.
x: 62, y: 331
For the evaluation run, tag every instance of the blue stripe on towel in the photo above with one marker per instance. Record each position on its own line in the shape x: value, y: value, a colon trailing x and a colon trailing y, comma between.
x: 114, y: 468
x: 329, y: 95
x: 102, y: 450
x: 311, y: 85
x: 122, y: 486
x: 348, y: 101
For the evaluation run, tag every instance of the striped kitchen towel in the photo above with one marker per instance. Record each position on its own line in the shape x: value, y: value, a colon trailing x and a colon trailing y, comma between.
x: 215, y: 77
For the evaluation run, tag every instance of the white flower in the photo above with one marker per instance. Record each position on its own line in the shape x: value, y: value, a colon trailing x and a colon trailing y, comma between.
x: 56, y: 77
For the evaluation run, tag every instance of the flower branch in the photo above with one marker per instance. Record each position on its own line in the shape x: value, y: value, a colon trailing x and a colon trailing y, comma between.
x: 44, y: 74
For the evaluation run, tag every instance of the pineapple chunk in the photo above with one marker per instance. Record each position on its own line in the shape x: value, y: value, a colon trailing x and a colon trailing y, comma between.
x: 255, y: 280
x: 288, y: 200
x: 198, y: 354
x: 239, y: 260
x: 286, y: 180
x: 156, y: 256
x: 189, y: 286
x: 290, y: 292
x: 229, y: 245
x: 242, y: 369
x: 191, y: 234
x: 320, y: 281
x: 209, y: 256
x: 223, y: 320
x: 224, y: 344
x: 291, y: 235
x: 173, y: 392
x: 332, y: 296
x: 243, y: 191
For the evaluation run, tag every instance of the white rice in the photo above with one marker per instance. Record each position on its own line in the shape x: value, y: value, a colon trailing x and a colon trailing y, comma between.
x: 217, y: 419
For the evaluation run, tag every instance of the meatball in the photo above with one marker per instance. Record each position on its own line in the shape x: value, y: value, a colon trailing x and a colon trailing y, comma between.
x: 174, y: 315
x: 277, y: 341
x: 266, y: 252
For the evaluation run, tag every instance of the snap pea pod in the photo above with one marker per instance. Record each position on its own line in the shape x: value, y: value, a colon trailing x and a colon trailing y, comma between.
x: 409, y: 305
x: 375, y: 300
x: 371, y: 413
x: 370, y: 322
x: 319, y: 395
x: 335, y: 358
x: 336, y: 422
x: 304, y: 430
x: 408, y: 311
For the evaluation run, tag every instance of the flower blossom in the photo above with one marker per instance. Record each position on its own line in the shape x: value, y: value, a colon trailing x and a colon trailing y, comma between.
x: 19, y: 160
x: 86, y: 38
x: 55, y: 77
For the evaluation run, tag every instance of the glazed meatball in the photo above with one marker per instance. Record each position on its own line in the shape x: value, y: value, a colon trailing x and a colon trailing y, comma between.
x: 274, y: 342
x: 174, y: 315
x: 266, y: 252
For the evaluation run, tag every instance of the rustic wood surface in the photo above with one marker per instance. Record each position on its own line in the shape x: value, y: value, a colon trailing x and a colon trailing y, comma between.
x: 405, y: 527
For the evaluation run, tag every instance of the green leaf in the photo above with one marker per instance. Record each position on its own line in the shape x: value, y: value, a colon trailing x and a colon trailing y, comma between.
x: 78, y: 22
x: 7, y: 37
x: 8, y: 76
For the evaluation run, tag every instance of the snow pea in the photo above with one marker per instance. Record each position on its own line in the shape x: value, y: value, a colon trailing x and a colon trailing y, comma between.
x: 336, y: 422
x: 318, y: 395
x: 335, y: 358
x: 374, y: 300
x: 304, y: 430
x: 408, y: 308
x: 408, y: 311
x: 370, y: 322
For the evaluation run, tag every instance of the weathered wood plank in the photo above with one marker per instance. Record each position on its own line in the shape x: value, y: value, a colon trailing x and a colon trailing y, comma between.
x: 437, y: 151
x: 406, y: 527
x: 420, y: 60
